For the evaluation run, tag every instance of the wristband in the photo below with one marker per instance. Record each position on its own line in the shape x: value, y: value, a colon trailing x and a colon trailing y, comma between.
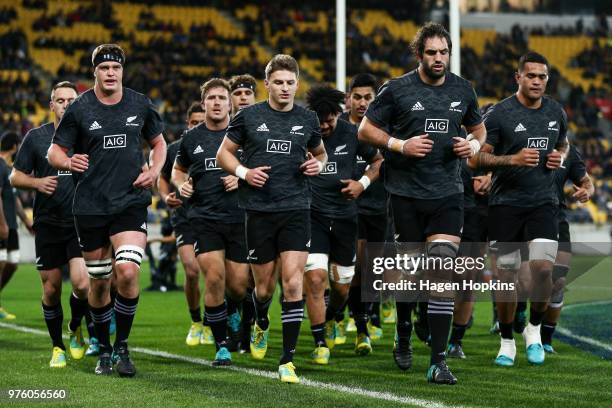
x: 364, y: 181
x: 474, y: 145
x: 396, y: 145
x: 241, y: 172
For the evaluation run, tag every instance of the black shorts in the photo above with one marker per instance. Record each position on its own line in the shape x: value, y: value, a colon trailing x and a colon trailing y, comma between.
x: 184, y: 234
x: 565, y: 242
x: 372, y: 228
x: 417, y: 219
x: 215, y: 236
x: 9, y: 247
x: 474, y: 233
x: 95, y: 230
x: 514, y: 226
x: 335, y: 237
x: 55, y: 245
x: 269, y: 234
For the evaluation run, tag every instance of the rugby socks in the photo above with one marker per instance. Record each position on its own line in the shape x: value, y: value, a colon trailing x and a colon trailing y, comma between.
x: 261, y: 312
x: 196, y: 315
x: 78, y: 309
x: 520, y: 307
x: 535, y: 317
x: 318, y: 333
x: 457, y: 333
x: 404, y: 318
x: 53, y: 318
x: 375, y: 313
x: 232, y: 305
x: 90, y: 325
x: 546, y: 332
x: 326, y: 297
x: 217, y: 319
x: 340, y: 313
x: 125, y: 309
x: 291, y: 316
x: 359, y: 310
x: 101, y: 317
x: 505, y: 330
x: 248, y: 310
x: 440, y: 316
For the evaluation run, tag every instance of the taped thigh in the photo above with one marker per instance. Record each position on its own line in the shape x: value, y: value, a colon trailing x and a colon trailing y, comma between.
x: 100, y: 268
x: 341, y: 274
x: 542, y: 249
x: 317, y: 261
x: 129, y: 253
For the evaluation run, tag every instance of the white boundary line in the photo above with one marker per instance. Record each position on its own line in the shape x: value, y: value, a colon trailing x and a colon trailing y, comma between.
x: 584, y: 339
x: 385, y: 396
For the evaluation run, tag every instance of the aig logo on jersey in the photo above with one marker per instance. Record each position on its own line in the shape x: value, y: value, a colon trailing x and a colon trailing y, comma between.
x: 211, y: 164
x: 538, y: 143
x: 279, y: 146
x: 115, y: 141
x: 436, y: 125
x: 330, y: 168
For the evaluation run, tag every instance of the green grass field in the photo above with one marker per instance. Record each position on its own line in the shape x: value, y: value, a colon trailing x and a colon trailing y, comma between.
x: 172, y: 374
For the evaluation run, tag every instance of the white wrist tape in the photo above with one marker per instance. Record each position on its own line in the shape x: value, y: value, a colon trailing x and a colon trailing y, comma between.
x: 365, y: 181
x: 475, y: 145
x: 241, y: 172
x: 396, y: 145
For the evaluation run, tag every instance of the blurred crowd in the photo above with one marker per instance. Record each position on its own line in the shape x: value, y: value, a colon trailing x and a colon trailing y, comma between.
x: 172, y: 64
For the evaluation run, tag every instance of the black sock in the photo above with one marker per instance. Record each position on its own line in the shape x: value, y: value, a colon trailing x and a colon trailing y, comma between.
x: 375, y: 314
x: 291, y: 317
x: 340, y: 313
x: 90, y: 325
x: 125, y: 309
x: 535, y: 317
x: 205, y: 321
x: 54, y: 316
x: 78, y: 309
x: 546, y: 332
x: 520, y: 307
x: 404, y: 318
x: 422, y: 310
x: 494, y: 311
x: 359, y: 310
x: 318, y: 333
x: 261, y: 311
x: 232, y: 305
x: 101, y: 317
x: 326, y: 297
x: 440, y: 316
x: 330, y: 313
x: 505, y: 329
x: 457, y: 333
x: 217, y: 318
x: 248, y: 315
x: 113, y: 295
x: 196, y: 314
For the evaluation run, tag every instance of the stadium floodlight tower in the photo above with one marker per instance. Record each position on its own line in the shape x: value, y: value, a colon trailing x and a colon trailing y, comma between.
x: 341, y: 45
x: 455, y: 26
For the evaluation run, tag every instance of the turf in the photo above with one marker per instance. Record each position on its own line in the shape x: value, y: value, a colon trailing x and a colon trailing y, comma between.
x: 572, y: 376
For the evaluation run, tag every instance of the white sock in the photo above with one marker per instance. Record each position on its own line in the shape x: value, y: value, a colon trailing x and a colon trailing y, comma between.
x: 531, y: 334
x: 507, y: 348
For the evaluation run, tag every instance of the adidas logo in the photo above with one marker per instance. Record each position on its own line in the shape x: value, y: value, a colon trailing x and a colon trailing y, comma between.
x: 144, y: 226
x: 198, y: 150
x: 417, y: 106
x: 263, y: 128
x: 520, y: 128
x: 95, y: 126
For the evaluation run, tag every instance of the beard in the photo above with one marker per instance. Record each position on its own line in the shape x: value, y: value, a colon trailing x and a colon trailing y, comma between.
x: 428, y: 70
